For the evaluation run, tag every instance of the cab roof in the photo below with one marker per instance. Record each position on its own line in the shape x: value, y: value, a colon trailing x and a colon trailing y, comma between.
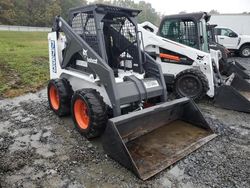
x: 102, y: 8
x: 194, y: 16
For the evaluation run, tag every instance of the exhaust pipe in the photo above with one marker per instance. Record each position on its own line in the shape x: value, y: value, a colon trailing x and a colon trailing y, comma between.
x: 150, y: 140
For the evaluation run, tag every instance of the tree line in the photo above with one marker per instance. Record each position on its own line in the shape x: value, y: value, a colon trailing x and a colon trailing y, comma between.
x: 42, y: 12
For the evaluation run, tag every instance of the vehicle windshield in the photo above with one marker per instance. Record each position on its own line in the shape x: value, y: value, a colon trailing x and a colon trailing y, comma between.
x: 181, y: 30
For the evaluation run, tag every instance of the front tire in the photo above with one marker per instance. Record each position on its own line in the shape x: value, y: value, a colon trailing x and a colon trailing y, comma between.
x: 89, y: 112
x: 191, y: 83
x: 245, y: 51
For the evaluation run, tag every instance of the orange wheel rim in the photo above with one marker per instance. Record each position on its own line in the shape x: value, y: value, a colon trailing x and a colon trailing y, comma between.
x: 54, y: 97
x: 81, y: 113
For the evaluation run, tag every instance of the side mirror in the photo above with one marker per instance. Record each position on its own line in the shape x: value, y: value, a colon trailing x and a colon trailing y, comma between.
x: 233, y: 35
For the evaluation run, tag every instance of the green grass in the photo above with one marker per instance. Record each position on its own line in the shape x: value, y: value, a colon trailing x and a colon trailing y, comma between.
x: 23, y: 62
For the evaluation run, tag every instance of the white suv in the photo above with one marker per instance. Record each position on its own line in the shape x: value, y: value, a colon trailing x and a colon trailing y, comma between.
x: 233, y: 41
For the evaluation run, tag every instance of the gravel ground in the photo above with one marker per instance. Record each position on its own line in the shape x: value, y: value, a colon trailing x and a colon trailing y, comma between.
x: 38, y: 149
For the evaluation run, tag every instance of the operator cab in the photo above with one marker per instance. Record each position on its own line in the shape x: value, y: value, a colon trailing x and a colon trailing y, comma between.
x: 188, y: 29
x: 112, y: 33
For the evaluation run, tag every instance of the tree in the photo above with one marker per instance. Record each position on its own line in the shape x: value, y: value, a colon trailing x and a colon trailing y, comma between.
x: 42, y: 12
x: 183, y: 12
x: 67, y: 4
x: 214, y: 12
x: 148, y: 12
x: 35, y: 12
x: 7, y: 13
x: 51, y: 11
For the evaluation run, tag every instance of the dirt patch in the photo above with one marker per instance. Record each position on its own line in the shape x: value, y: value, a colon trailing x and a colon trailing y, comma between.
x: 40, y: 60
x: 11, y: 83
x: 9, y: 80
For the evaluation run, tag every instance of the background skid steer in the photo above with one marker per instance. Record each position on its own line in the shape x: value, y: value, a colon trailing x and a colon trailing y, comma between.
x: 191, y: 72
x: 97, y: 67
x: 202, y: 39
x: 193, y: 30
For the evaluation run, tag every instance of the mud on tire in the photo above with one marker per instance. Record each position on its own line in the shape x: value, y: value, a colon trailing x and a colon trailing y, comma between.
x: 191, y: 83
x: 89, y: 112
x: 59, y: 96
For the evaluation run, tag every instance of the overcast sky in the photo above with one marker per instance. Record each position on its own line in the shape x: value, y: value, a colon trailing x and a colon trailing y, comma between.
x: 223, y: 6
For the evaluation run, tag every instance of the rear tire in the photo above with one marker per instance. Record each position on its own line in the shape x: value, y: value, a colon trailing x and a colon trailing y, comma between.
x: 191, y: 83
x: 89, y: 112
x: 245, y: 51
x: 59, y: 96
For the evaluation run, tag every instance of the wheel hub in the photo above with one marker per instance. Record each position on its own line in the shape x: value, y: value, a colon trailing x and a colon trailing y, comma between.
x: 54, y: 97
x: 189, y: 86
x: 246, y: 52
x: 81, y: 113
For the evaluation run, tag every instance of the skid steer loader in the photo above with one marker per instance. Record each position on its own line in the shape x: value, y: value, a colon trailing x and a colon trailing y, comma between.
x: 194, y: 73
x: 199, y: 31
x: 112, y: 88
x: 195, y: 29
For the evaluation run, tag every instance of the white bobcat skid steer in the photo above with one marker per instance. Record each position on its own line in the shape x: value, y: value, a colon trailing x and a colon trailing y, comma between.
x: 193, y: 30
x: 194, y: 73
x: 112, y: 88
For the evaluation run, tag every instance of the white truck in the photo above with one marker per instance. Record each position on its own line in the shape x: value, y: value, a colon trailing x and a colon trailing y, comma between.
x: 233, y: 41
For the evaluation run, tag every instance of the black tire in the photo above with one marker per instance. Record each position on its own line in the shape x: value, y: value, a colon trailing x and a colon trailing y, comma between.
x: 245, y: 51
x: 191, y: 83
x: 64, y: 92
x: 96, y: 112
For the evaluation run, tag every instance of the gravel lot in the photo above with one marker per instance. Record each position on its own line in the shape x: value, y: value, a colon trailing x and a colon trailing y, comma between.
x: 38, y: 149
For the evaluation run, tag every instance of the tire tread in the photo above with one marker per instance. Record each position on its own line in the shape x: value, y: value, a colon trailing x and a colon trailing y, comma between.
x: 97, y: 110
x: 202, y: 77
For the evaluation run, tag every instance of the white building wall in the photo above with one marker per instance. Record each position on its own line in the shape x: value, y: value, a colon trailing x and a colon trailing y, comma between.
x: 237, y: 22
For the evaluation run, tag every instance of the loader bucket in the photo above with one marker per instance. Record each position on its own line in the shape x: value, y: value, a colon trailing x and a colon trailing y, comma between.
x: 240, y: 84
x: 239, y: 65
x: 229, y: 98
x: 235, y: 67
x: 150, y: 140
